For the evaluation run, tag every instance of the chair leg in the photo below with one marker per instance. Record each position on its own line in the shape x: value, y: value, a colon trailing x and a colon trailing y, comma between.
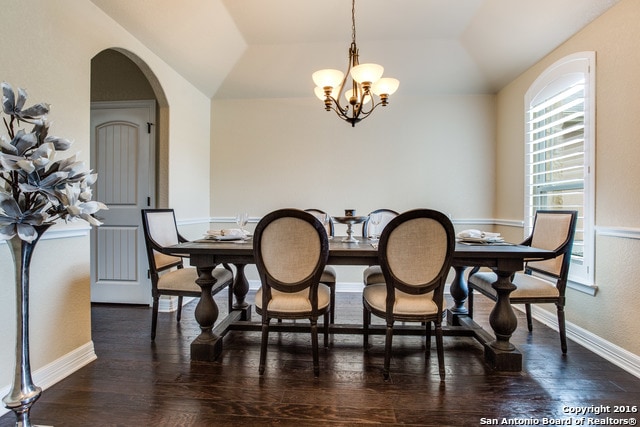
x: 326, y: 329
x: 154, y: 317
x: 230, y: 297
x: 440, y: 350
x: 470, y: 302
x: 263, y: 346
x: 428, y: 337
x: 332, y: 287
x: 314, y: 347
x: 529, y: 321
x: 366, y: 320
x: 387, y: 351
x: 179, y: 315
x: 562, y: 329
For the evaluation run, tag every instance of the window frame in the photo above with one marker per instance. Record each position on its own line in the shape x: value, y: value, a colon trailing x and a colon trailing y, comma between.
x: 554, y: 80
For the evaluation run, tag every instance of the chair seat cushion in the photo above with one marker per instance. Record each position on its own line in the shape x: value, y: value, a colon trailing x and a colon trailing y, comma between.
x: 184, y: 279
x: 295, y: 302
x: 406, y: 304
x: 372, y: 274
x: 328, y: 275
x: 528, y: 286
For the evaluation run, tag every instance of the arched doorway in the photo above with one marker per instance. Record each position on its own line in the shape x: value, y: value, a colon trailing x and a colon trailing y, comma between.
x: 128, y: 150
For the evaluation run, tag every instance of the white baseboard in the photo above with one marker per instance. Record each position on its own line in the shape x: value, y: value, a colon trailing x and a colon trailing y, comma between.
x: 169, y: 304
x: 617, y: 355
x: 59, y: 369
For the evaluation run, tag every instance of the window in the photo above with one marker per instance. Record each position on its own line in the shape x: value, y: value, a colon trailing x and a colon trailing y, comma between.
x: 559, y: 152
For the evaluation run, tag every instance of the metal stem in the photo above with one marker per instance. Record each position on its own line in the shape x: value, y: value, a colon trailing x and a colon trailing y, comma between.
x: 24, y: 392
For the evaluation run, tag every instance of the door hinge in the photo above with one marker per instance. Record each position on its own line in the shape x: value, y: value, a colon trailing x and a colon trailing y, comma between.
x: 149, y: 201
x: 149, y: 127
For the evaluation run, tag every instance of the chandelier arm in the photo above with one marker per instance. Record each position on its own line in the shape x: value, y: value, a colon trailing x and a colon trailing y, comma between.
x: 335, y: 106
x: 373, y: 107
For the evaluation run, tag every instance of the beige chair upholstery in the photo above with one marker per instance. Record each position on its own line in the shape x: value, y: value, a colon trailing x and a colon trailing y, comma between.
x: 329, y: 276
x: 542, y: 281
x: 291, y: 248
x: 167, y: 272
x: 415, y: 253
x: 373, y: 274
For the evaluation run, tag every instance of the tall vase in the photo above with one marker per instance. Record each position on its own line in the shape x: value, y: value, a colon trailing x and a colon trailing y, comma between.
x: 23, y: 393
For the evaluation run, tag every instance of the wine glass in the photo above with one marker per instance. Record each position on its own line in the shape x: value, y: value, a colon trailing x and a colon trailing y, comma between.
x: 242, y: 219
x: 374, y: 220
x: 324, y: 219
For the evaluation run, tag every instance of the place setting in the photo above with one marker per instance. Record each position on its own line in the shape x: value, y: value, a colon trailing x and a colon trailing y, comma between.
x: 479, y: 237
x: 235, y: 235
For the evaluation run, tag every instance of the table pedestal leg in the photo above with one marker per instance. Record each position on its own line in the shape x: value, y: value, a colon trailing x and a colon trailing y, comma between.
x: 503, y: 321
x: 459, y: 292
x: 240, y: 290
x: 207, y: 346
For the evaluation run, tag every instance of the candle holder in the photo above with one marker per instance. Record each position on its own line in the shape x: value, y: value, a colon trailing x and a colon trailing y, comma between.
x: 349, y: 219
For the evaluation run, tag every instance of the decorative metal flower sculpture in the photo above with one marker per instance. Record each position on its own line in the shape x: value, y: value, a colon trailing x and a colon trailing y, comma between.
x: 35, y: 188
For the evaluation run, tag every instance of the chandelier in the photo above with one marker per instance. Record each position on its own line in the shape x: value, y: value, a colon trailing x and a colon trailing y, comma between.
x: 367, y: 84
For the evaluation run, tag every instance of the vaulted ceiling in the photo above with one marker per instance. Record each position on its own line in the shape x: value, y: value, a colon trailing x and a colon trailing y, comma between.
x: 269, y: 48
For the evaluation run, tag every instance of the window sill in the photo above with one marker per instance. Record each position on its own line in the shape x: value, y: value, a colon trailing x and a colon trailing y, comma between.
x: 581, y: 287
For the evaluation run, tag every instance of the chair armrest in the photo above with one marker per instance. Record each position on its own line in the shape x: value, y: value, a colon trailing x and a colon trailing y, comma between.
x: 527, y: 241
x: 473, y: 271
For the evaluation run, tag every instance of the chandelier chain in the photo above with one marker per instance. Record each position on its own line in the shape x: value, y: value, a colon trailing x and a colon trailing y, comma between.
x: 353, y: 21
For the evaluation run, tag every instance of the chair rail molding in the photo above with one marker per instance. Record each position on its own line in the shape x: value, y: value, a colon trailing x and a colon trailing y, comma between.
x: 624, y: 232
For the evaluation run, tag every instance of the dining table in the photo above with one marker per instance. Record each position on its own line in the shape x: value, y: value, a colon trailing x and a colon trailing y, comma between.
x: 503, y: 258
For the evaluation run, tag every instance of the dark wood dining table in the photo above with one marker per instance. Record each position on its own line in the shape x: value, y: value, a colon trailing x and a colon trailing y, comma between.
x: 503, y: 259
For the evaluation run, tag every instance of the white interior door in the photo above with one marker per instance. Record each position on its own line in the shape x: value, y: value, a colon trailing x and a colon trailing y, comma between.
x: 123, y: 155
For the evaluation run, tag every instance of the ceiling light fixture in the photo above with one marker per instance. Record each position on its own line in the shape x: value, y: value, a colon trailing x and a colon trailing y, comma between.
x: 366, y: 84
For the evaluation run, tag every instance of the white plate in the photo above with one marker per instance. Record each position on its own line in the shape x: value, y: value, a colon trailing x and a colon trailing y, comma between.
x: 481, y: 239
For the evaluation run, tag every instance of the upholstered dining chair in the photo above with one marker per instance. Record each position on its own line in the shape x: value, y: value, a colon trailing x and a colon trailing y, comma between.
x: 373, y: 273
x: 329, y: 276
x: 291, y: 249
x: 542, y: 281
x: 168, y: 274
x: 415, y: 253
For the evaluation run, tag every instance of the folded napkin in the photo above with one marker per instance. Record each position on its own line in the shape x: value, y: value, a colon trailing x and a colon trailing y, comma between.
x: 227, y: 232
x: 476, y: 234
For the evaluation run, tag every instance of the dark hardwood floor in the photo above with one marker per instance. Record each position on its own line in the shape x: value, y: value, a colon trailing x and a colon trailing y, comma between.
x: 136, y: 382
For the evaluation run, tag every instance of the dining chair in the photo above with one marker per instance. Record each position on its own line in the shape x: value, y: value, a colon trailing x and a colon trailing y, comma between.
x: 373, y: 273
x: 329, y: 276
x: 541, y: 281
x: 291, y: 249
x: 415, y: 253
x: 168, y: 274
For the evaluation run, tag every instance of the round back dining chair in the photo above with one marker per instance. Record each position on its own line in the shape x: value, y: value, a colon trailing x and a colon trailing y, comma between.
x: 415, y: 252
x: 291, y: 249
x: 373, y: 273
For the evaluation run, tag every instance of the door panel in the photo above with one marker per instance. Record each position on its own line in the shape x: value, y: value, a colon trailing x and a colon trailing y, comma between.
x: 123, y: 156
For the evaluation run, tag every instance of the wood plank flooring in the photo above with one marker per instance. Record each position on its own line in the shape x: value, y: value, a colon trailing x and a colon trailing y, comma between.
x: 136, y: 382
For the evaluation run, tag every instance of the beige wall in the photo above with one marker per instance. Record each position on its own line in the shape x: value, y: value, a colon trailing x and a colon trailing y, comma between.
x: 613, y: 313
x: 48, y: 47
x: 417, y: 152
